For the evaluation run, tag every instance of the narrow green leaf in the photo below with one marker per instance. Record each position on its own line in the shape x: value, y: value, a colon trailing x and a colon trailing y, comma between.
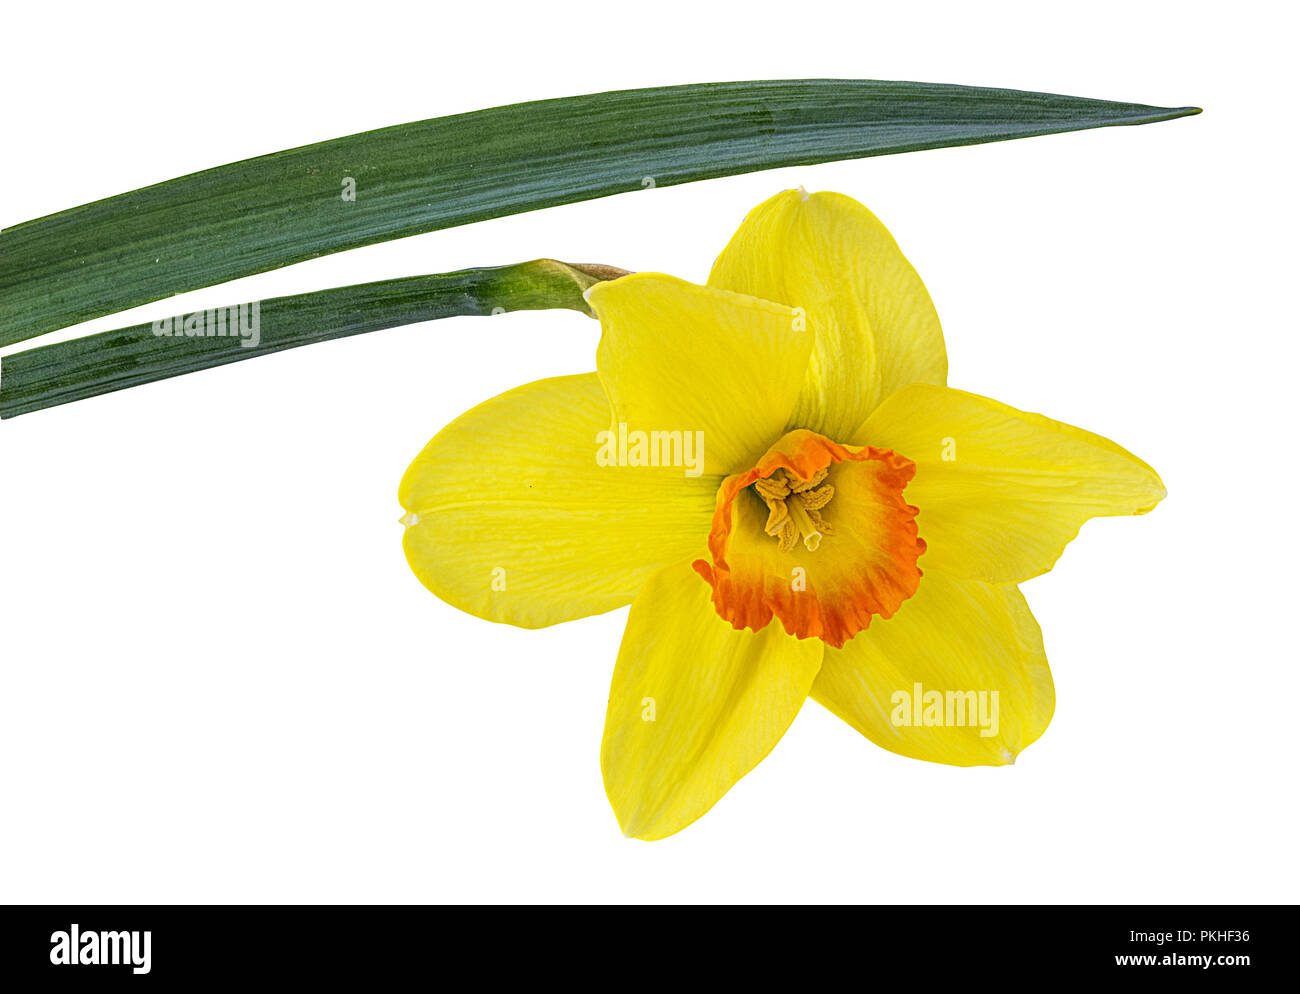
x: 278, y: 209
x: 114, y: 360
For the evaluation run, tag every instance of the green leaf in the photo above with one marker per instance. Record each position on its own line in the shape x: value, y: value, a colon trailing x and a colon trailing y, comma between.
x: 114, y: 360
x: 278, y: 209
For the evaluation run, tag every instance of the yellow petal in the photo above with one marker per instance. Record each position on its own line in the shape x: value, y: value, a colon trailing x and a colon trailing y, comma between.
x: 695, y: 704
x: 1001, y: 491
x: 874, y: 326
x: 963, y: 640
x: 676, y: 356
x: 511, y: 518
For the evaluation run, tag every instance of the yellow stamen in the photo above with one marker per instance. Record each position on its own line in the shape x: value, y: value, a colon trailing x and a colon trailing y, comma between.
x: 792, y: 506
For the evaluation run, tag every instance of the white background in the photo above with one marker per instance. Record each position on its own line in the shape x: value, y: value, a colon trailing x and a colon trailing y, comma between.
x: 219, y: 681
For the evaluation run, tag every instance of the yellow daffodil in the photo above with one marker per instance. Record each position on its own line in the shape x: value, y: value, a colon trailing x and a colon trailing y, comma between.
x: 777, y: 444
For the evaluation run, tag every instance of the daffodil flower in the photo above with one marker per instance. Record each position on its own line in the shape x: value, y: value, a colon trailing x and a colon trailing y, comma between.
x: 855, y: 532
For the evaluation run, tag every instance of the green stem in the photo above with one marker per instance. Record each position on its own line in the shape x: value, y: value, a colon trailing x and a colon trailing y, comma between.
x: 114, y: 360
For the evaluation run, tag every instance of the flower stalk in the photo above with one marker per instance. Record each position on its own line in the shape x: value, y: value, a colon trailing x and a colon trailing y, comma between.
x: 114, y: 360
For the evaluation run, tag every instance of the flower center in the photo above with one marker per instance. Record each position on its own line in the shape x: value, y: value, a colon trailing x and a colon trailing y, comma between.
x: 794, y: 506
x: 833, y: 582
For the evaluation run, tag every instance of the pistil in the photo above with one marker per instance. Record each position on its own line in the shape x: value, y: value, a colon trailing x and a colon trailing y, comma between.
x: 812, y: 536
